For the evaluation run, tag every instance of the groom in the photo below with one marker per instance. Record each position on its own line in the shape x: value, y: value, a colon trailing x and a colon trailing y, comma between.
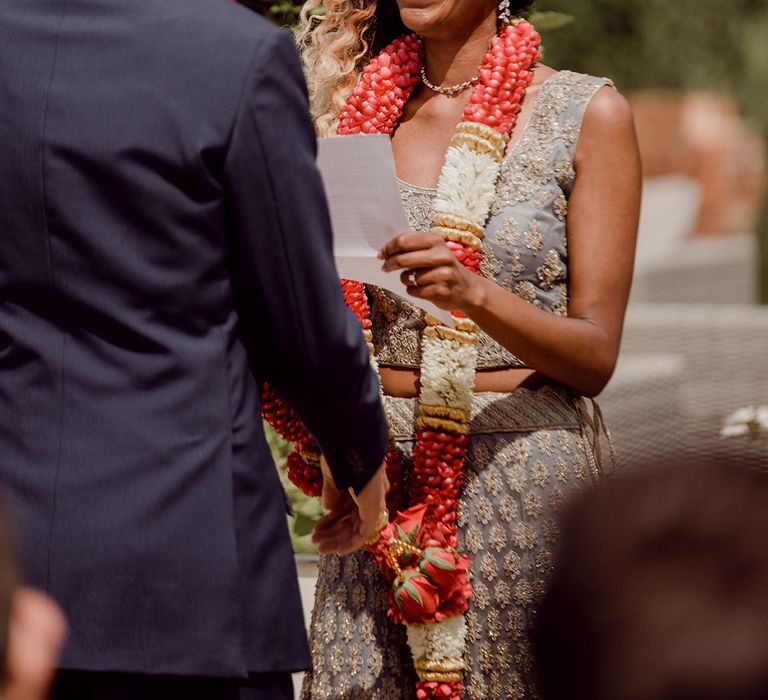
x: 165, y: 248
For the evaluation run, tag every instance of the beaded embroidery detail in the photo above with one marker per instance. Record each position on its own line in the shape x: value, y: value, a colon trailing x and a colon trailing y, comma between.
x: 525, y: 246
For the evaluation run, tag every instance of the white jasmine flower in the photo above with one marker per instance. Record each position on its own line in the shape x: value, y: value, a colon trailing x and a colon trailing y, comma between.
x: 467, y: 183
x: 438, y: 640
x: 447, y: 373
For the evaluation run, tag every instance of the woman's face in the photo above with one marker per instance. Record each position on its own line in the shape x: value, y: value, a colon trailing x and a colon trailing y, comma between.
x: 445, y: 18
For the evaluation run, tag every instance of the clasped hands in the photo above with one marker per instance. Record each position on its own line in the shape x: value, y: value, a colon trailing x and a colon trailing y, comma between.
x: 430, y: 271
x: 351, y: 519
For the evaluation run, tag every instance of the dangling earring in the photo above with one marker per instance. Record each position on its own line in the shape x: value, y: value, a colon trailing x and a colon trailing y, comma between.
x: 504, y: 12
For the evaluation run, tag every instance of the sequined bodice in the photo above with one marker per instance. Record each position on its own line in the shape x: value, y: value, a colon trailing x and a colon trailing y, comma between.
x: 525, y: 246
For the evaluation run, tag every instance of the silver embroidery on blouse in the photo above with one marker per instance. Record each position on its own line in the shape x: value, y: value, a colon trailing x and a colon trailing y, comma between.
x: 525, y: 246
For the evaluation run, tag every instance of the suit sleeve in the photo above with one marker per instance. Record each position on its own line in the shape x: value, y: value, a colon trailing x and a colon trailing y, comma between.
x: 301, y: 337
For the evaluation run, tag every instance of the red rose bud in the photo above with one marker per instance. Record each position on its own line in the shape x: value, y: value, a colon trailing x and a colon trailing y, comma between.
x: 445, y: 570
x: 409, y: 523
x: 457, y: 604
x: 416, y: 597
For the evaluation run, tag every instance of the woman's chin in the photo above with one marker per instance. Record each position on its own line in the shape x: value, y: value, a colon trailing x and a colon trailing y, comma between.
x: 418, y: 19
x: 422, y: 15
x: 442, y: 18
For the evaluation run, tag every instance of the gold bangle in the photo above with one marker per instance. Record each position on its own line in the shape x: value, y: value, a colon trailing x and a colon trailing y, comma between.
x: 381, y: 523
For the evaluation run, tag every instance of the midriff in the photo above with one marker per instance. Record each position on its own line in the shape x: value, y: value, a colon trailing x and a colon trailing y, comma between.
x: 404, y: 383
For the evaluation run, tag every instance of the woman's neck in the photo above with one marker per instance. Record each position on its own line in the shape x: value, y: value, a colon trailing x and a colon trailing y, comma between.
x: 455, y: 58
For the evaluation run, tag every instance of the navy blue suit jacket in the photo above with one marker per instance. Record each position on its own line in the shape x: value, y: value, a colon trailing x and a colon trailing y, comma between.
x: 164, y: 247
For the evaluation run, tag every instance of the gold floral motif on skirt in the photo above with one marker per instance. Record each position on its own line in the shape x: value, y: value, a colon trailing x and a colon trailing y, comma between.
x: 528, y: 456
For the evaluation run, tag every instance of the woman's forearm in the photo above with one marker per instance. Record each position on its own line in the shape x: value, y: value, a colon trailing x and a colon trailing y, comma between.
x: 575, y: 351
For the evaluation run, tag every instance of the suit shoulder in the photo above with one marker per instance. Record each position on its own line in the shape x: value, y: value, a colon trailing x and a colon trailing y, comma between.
x: 215, y: 43
x: 227, y: 26
x: 232, y: 18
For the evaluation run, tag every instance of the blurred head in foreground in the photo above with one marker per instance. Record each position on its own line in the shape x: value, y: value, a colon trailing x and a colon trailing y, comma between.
x: 32, y: 631
x: 8, y: 583
x: 661, y: 590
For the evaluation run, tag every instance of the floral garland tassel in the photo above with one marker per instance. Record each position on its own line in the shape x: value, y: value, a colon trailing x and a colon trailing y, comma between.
x: 418, y: 550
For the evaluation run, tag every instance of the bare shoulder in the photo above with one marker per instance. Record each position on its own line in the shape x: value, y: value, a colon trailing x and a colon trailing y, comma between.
x: 608, y: 127
x: 608, y: 112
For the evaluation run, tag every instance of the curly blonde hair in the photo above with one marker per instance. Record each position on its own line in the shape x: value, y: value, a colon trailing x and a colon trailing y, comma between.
x: 336, y: 45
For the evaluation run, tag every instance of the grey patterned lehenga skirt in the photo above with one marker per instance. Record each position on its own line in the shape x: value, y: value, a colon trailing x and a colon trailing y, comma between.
x: 530, y: 450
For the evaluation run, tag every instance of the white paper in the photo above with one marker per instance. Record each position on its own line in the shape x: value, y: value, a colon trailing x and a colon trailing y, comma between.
x: 366, y: 210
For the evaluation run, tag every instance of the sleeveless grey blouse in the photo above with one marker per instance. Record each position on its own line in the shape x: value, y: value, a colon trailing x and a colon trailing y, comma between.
x: 525, y: 246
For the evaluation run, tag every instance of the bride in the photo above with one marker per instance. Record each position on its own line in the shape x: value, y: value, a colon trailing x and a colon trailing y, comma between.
x: 522, y: 188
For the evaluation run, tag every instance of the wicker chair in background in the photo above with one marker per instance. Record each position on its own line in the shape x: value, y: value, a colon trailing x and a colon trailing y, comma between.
x: 695, y: 346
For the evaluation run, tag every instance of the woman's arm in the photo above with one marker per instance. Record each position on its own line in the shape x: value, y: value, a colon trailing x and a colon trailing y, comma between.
x: 579, y: 350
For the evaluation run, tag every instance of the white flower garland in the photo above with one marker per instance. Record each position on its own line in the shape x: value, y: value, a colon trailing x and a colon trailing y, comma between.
x: 467, y: 183
x: 436, y: 641
x: 466, y: 190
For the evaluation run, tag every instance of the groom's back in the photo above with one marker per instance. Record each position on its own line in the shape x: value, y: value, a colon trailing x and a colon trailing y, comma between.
x: 125, y: 394
x: 114, y: 120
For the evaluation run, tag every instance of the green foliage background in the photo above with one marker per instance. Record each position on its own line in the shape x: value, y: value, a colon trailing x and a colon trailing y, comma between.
x: 306, y: 511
